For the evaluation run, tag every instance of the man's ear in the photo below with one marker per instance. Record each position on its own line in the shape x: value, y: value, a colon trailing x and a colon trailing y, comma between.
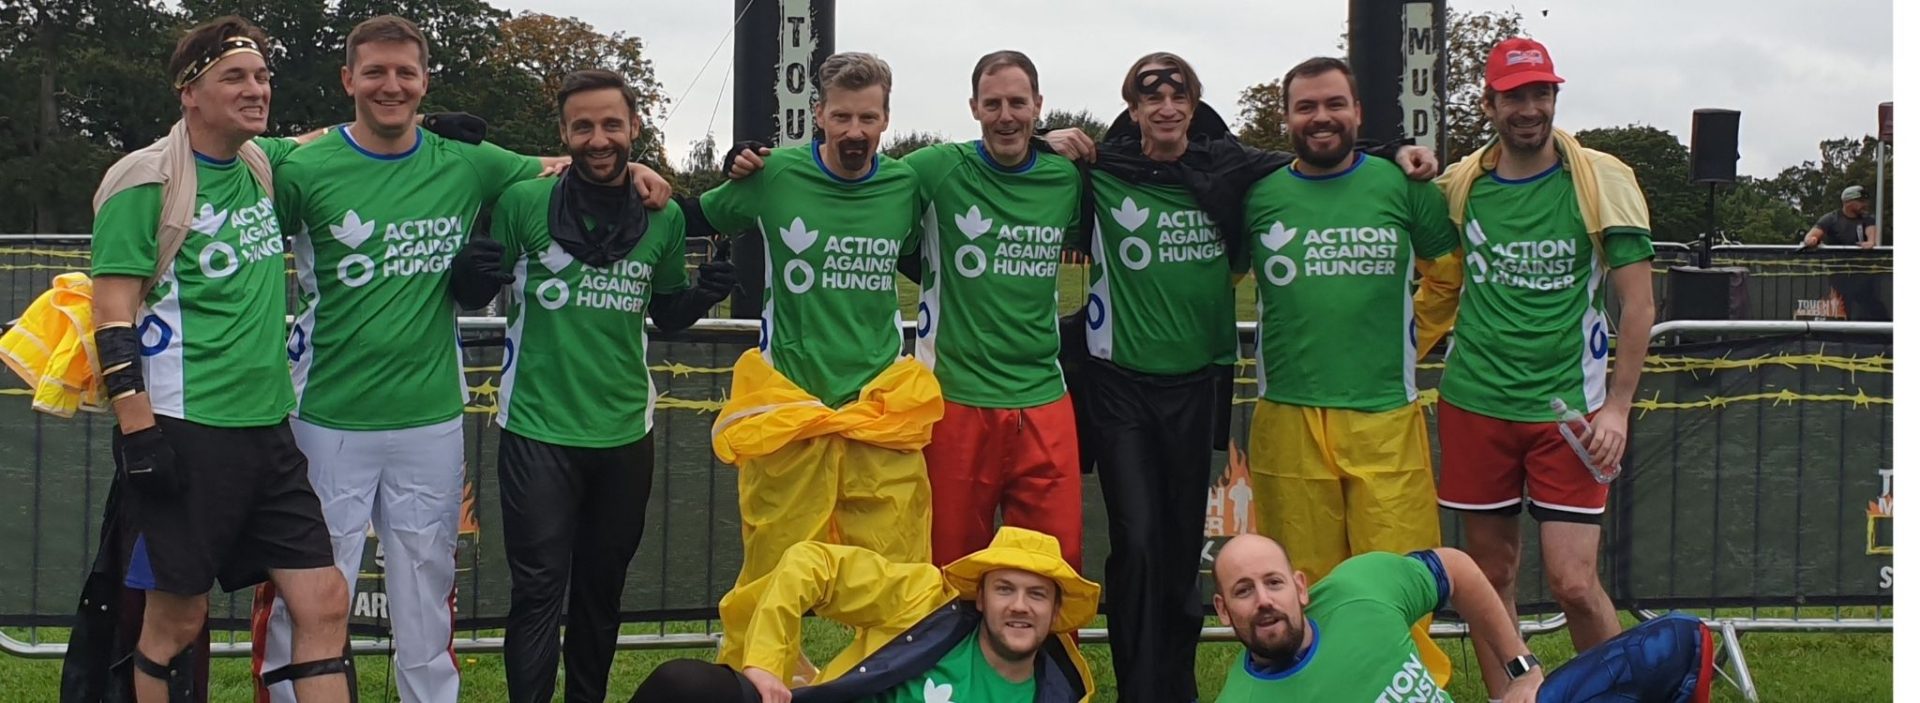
x: 1300, y: 578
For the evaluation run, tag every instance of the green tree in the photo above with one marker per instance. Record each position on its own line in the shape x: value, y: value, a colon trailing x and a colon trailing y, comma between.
x: 1084, y: 119
x: 1676, y: 207
x: 1470, y: 37
x: 700, y: 171
x: 546, y: 48
x: 1263, y: 117
x: 904, y: 143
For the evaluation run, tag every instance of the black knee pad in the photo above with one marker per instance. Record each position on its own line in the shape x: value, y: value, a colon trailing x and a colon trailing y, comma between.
x: 319, y: 667
x: 177, y: 672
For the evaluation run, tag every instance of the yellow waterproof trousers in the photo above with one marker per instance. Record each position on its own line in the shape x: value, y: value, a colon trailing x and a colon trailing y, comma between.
x: 1330, y: 483
x: 850, y: 475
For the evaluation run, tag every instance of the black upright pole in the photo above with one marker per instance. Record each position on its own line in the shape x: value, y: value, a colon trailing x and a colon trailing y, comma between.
x: 1397, y: 50
x: 778, y: 47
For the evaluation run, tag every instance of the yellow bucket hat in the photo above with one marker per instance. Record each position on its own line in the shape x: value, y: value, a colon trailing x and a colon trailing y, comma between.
x: 1033, y: 552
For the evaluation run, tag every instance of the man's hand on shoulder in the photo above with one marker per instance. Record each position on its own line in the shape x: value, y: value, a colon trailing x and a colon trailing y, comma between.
x: 1073, y: 144
x: 458, y: 126
x: 745, y: 159
x: 653, y: 188
x: 1419, y: 162
x: 1525, y: 689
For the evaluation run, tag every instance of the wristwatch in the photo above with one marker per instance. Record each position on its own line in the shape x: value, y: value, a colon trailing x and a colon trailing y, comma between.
x: 1520, y: 665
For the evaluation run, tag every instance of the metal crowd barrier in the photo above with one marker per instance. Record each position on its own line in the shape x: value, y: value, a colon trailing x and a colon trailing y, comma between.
x: 1793, y: 367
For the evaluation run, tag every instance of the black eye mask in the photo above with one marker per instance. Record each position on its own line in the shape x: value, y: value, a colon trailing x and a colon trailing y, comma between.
x: 1149, y: 81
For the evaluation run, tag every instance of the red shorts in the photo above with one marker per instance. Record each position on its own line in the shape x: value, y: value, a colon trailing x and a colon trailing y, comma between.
x: 1491, y: 465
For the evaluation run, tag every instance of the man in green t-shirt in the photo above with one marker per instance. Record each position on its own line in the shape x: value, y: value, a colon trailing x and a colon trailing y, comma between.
x: 1338, y: 456
x: 217, y: 489
x: 1549, y: 226
x: 1164, y: 212
x: 998, y: 214
x: 586, y: 262
x: 1344, y: 638
x: 376, y: 210
x: 836, y: 216
x: 993, y: 626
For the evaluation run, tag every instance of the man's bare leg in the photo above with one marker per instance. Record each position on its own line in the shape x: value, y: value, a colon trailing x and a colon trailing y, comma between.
x: 1571, y: 551
x: 172, y: 623
x: 1494, y: 543
x: 317, y: 602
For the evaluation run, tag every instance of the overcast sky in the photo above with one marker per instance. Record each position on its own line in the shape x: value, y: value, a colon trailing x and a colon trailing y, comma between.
x: 1799, y: 70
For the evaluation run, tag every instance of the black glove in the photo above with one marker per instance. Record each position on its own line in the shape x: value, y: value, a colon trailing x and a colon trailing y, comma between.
x: 458, y: 126
x: 477, y: 275
x: 726, y: 162
x: 716, y: 280
x: 148, y: 460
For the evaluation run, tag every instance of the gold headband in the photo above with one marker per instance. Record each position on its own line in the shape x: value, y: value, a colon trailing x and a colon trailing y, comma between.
x: 226, y: 47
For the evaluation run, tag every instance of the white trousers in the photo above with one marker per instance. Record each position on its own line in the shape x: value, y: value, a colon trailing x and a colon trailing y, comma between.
x: 408, y: 484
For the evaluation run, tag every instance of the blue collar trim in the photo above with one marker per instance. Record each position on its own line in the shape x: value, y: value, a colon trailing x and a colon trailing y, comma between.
x: 419, y: 136
x: 1358, y: 159
x: 1033, y: 157
x: 1555, y: 168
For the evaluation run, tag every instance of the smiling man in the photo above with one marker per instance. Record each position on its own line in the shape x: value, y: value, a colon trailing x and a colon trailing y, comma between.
x: 992, y: 626
x: 998, y: 214
x: 1339, y: 458
x: 587, y: 262
x: 1549, y: 227
x: 189, y: 300
x: 376, y: 210
x: 1344, y: 639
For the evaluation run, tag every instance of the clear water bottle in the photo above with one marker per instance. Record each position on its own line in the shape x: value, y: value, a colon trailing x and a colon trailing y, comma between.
x: 1572, y: 426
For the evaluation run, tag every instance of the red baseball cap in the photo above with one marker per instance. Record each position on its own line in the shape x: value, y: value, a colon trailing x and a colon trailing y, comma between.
x: 1517, y: 62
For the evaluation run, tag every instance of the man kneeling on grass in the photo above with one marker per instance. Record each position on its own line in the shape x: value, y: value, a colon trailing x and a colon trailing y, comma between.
x: 1346, y: 638
x: 992, y: 626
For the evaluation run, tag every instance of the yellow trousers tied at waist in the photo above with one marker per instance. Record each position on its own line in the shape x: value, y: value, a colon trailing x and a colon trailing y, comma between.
x: 852, y: 475
x: 51, y: 348
x: 1330, y: 483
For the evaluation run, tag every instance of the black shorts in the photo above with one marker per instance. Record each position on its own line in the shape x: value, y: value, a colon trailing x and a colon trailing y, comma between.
x: 246, y: 508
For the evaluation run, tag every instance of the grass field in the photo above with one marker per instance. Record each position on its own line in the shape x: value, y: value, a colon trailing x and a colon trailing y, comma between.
x: 1787, y: 667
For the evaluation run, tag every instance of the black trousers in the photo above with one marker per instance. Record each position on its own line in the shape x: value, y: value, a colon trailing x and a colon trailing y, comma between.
x: 694, y: 681
x: 572, y: 520
x: 1154, y: 457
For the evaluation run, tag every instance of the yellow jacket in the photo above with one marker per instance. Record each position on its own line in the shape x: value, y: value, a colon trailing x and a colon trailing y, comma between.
x: 51, y: 347
x: 905, y: 617
x: 766, y: 412
x: 1609, y: 198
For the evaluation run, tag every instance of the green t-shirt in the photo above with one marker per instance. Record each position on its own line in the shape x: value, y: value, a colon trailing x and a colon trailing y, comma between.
x: 1161, y: 299
x: 375, y: 346
x: 1533, y: 321
x: 212, y: 330
x: 989, y: 304
x: 576, y: 368
x: 1333, y: 259
x: 962, y: 676
x: 1362, y: 649
x: 831, y: 319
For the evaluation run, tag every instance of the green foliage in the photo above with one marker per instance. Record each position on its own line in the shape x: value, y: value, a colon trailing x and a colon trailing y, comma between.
x: 1094, y: 127
x: 1263, y: 117
x: 1470, y: 37
x: 1677, y: 208
x: 904, y: 143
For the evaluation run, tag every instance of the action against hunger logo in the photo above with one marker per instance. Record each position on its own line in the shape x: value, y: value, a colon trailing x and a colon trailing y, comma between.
x: 972, y: 225
x: 413, y: 246
x: 1277, y: 236
x: 1131, y: 216
x: 1031, y: 251
x: 255, y: 227
x: 799, y: 239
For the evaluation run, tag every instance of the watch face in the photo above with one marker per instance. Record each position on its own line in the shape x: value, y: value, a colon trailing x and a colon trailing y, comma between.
x: 1522, y: 664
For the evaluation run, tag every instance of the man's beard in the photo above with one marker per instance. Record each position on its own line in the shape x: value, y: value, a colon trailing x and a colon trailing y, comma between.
x: 1529, y: 146
x: 1280, y: 652
x: 621, y: 155
x: 853, y: 155
x: 1323, y: 159
x: 1006, y: 649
